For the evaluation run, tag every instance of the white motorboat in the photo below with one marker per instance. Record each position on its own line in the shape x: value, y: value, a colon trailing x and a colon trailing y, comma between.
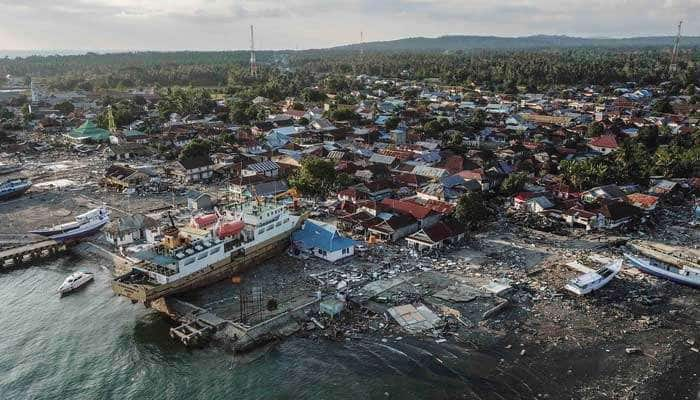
x: 685, y: 275
x: 74, y: 281
x: 591, y: 281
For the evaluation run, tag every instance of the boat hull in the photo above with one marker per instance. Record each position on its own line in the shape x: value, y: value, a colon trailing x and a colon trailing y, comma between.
x: 659, y: 273
x: 78, y: 233
x: 65, y: 289
x: 224, y: 269
x: 613, y: 268
x: 13, y: 194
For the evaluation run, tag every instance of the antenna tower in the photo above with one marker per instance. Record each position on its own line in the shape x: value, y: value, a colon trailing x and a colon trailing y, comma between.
x: 253, y: 64
x: 362, y: 43
x: 674, y: 57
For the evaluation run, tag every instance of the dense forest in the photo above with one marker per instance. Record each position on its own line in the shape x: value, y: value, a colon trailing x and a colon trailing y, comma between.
x: 288, y: 72
x: 536, y: 42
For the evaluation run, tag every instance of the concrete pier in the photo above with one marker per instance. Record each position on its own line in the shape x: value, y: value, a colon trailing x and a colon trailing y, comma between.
x: 17, y: 256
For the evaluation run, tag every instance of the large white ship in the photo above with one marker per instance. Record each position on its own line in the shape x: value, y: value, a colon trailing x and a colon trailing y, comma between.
x: 243, y: 236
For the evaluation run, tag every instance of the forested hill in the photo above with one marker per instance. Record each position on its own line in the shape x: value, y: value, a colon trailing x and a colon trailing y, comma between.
x: 460, y: 42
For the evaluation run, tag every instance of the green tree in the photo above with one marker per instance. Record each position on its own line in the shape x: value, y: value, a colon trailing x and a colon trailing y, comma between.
x: 317, y: 177
x: 124, y: 113
x: 478, y: 119
x: 344, y: 114
x: 455, y: 139
x: 631, y: 162
x: 5, y: 113
x: 513, y: 184
x: 195, y: 149
x: 663, y: 106
x: 471, y: 211
x: 27, y: 115
x: 649, y: 136
x: 391, y: 123
x: 595, y: 129
x: 433, y: 128
x: 65, y: 107
x: 313, y: 95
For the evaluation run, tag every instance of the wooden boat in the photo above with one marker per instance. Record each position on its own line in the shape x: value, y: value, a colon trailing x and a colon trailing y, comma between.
x: 685, y: 275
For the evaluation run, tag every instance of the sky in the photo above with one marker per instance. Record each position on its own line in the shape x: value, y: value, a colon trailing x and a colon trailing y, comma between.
x: 302, y: 24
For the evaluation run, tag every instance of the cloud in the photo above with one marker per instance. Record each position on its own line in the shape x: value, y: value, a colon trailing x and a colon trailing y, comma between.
x: 222, y: 24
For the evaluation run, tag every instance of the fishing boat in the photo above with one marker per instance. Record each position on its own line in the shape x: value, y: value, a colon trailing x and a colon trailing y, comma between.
x: 74, y: 281
x: 591, y: 281
x: 685, y: 275
x: 83, y: 226
x: 242, y: 237
x: 14, y: 188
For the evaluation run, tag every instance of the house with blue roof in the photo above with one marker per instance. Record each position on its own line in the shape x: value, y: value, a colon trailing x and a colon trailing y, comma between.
x: 323, y: 240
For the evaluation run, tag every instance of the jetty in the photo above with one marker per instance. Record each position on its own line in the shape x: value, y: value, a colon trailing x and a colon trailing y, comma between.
x: 14, y: 257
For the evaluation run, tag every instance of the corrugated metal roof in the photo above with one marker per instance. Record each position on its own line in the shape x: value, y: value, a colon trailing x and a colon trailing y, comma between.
x: 263, y: 166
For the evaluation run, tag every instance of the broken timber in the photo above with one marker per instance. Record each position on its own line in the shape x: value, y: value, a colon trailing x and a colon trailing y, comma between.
x: 17, y: 256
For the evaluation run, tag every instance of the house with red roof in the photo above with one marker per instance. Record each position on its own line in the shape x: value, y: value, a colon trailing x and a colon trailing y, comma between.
x: 424, y: 215
x: 521, y: 198
x: 604, y: 144
x: 643, y: 201
x: 478, y: 175
x: 204, y: 221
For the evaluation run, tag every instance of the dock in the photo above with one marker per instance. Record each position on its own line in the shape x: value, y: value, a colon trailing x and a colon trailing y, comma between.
x: 17, y: 256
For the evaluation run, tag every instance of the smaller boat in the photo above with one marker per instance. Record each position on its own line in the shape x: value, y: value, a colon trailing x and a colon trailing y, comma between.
x: 591, y: 281
x: 685, y: 275
x: 83, y: 226
x: 74, y: 281
x: 14, y: 188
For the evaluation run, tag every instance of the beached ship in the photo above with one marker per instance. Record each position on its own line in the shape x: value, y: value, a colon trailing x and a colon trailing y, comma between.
x: 14, y: 188
x: 83, y: 226
x: 683, y: 274
x: 591, y: 281
x: 244, y: 236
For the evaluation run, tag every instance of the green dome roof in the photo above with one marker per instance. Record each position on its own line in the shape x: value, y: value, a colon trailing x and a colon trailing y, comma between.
x: 89, y: 130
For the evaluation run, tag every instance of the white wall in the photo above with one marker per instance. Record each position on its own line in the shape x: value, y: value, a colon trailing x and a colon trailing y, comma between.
x: 335, y: 255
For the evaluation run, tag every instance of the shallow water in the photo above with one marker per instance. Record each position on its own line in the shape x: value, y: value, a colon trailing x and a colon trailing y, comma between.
x: 94, y: 345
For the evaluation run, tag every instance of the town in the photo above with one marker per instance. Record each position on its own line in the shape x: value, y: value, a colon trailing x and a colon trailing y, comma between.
x: 376, y: 206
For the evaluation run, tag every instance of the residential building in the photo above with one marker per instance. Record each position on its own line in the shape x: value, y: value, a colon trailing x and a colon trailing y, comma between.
x: 323, y: 241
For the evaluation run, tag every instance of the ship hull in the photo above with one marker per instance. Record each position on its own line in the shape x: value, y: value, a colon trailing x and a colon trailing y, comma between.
x: 651, y: 270
x: 73, y: 234
x: 224, y: 269
x: 13, y: 194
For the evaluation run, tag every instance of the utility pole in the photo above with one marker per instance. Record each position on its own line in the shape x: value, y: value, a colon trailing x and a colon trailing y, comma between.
x: 253, y: 64
x: 674, y: 57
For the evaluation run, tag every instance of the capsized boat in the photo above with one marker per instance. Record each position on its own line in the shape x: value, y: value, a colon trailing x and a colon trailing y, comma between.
x: 591, y: 281
x: 74, y: 281
x: 14, y: 188
x: 83, y: 226
x: 685, y: 275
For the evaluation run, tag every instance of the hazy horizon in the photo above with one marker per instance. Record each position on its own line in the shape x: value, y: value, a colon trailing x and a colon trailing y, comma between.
x: 78, y: 51
x: 159, y: 25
